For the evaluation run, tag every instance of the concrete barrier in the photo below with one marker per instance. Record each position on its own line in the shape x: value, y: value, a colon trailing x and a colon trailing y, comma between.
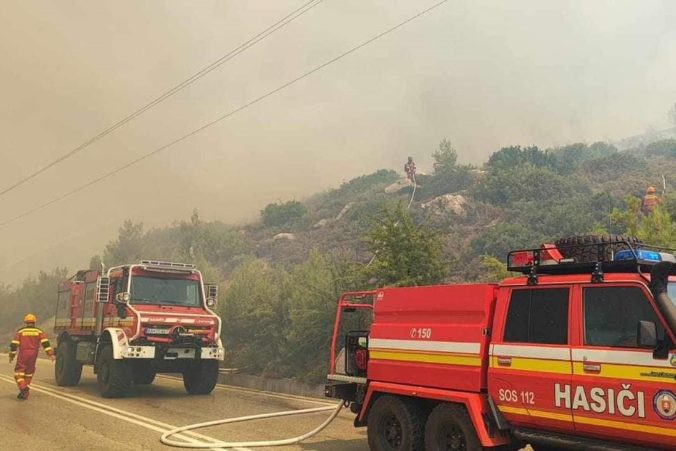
x: 287, y: 386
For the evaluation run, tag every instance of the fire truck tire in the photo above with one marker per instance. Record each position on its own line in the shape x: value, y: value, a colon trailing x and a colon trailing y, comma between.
x: 450, y: 427
x: 580, y: 247
x: 67, y: 370
x: 395, y: 424
x: 201, y: 377
x: 114, y: 377
x: 142, y: 374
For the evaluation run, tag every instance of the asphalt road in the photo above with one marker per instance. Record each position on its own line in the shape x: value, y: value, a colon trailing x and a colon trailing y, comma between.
x: 77, y: 418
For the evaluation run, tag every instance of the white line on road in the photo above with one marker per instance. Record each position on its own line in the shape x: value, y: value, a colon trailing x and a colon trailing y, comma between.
x: 129, y: 417
x: 259, y: 392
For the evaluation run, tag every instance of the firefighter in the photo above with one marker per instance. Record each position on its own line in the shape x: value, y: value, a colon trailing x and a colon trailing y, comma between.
x: 409, y: 169
x: 27, y: 342
x: 650, y: 200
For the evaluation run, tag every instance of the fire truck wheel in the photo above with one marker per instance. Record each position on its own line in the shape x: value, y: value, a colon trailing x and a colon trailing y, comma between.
x: 201, y: 377
x: 450, y: 428
x: 395, y: 424
x: 580, y: 247
x: 142, y: 373
x: 113, y: 376
x: 67, y: 370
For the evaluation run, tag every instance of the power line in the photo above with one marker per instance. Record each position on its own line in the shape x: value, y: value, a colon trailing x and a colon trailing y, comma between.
x: 225, y: 116
x: 293, y: 15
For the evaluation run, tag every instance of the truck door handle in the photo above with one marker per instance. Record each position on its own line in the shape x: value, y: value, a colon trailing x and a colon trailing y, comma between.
x: 504, y: 361
x: 591, y: 367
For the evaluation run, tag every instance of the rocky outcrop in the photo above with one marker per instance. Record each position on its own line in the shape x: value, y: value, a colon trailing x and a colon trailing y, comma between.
x: 447, y: 203
x: 284, y: 236
x: 321, y: 224
x: 345, y: 209
x: 398, y: 186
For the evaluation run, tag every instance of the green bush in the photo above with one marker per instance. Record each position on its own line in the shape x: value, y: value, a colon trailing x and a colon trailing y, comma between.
x: 452, y: 181
x: 524, y: 183
x: 291, y: 214
x: 556, y: 218
x: 504, y: 237
x: 665, y: 147
x: 510, y: 157
x: 358, y: 190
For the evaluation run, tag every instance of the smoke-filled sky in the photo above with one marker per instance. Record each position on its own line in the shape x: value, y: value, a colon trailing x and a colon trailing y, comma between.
x: 484, y: 74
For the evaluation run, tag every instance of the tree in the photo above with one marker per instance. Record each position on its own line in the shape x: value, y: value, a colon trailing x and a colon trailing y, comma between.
x: 129, y: 246
x: 448, y: 176
x: 445, y: 158
x: 628, y: 219
x: 255, y: 317
x: 494, y: 270
x: 657, y: 228
x: 314, y: 288
x: 405, y: 253
x: 95, y: 263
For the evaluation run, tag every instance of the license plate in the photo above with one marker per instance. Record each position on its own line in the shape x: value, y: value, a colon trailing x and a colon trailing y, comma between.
x: 156, y: 331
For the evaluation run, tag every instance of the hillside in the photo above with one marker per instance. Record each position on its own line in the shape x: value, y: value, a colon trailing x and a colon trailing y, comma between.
x: 281, y: 275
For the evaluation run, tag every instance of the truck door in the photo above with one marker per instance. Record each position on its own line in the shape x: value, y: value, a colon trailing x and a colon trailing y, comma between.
x: 531, y: 356
x: 621, y: 391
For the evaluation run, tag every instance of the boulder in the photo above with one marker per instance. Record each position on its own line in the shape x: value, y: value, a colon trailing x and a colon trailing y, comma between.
x: 454, y: 203
x: 284, y: 236
x: 345, y: 209
x: 321, y: 224
x: 398, y: 185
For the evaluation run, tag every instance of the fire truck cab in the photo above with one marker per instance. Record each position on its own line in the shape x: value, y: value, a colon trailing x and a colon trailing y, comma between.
x: 135, y: 321
x: 576, y: 355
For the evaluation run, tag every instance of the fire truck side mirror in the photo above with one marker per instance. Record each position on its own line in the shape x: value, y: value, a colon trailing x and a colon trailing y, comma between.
x: 122, y: 298
x: 212, y: 295
x: 647, y: 334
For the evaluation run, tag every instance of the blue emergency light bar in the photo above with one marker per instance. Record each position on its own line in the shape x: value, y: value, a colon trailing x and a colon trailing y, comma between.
x: 638, y: 254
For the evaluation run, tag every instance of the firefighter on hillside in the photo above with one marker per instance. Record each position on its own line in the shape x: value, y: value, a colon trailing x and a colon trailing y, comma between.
x: 650, y: 201
x: 409, y: 169
x: 27, y: 342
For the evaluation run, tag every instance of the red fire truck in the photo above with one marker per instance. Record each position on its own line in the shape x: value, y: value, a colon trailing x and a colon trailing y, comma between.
x: 136, y: 321
x: 573, y: 354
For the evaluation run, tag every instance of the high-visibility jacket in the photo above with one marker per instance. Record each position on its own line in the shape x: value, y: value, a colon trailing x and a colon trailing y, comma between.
x: 27, y: 341
x: 650, y: 201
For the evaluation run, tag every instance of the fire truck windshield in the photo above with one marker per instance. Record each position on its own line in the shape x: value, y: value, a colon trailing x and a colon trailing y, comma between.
x: 156, y: 290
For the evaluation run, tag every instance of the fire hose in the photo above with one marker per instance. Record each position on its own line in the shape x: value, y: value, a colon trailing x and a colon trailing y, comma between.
x: 280, y: 442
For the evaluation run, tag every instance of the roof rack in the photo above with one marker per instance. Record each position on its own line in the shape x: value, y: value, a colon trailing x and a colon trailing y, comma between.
x: 618, y: 256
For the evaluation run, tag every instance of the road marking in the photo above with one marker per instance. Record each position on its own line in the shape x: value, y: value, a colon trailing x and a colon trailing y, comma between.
x: 129, y: 417
x: 258, y: 392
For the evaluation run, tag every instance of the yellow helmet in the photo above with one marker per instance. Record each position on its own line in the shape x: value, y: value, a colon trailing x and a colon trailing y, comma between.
x: 30, y: 318
x: 651, y: 190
